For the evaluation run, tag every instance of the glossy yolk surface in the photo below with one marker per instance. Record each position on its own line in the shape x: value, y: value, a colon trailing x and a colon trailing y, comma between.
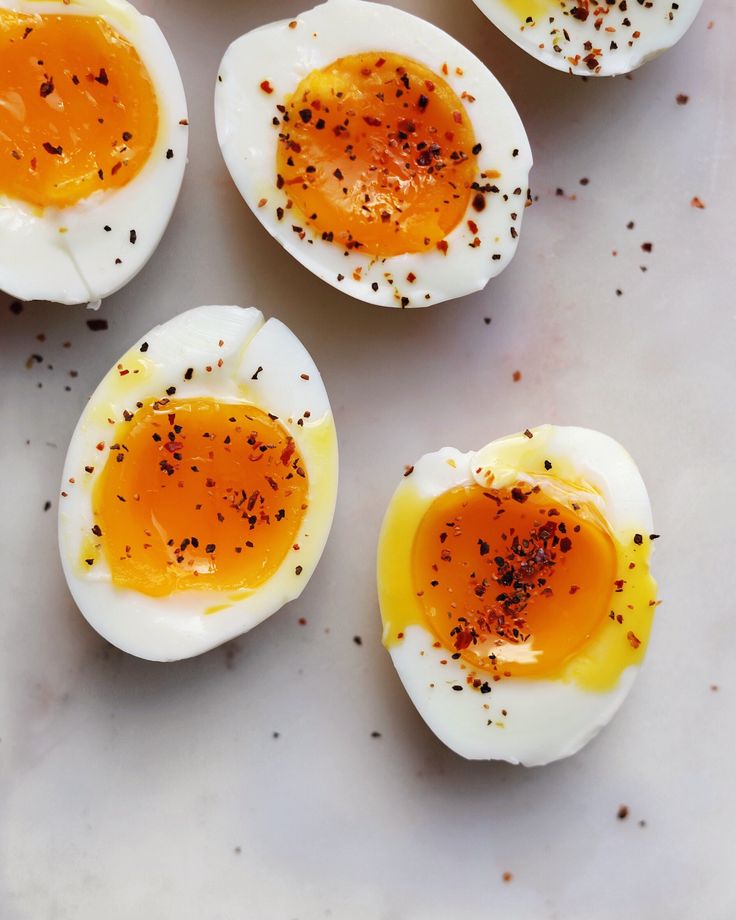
x: 510, y: 581
x: 378, y: 153
x: 78, y: 111
x: 199, y: 494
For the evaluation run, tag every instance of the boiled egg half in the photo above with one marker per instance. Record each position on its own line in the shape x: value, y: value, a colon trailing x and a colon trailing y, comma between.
x: 515, y: 591
x: 200, y: 484
x: 600, y: 39
x: 93, y: 144
x: 377, y: 150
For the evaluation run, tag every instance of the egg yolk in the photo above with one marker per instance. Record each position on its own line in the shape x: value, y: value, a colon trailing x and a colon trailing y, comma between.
x: 199, y: 494
x: 378, y: 154
x: 510, y: 581
x: 78, y: 111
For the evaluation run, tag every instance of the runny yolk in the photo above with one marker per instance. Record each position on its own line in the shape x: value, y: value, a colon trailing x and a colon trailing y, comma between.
x: 78, y: 111
x: 378, y: 154
x: 199, y: 494
x: 510, y: 581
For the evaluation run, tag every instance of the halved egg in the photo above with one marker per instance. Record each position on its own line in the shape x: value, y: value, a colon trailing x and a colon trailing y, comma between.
x: 377, y: 150
x: 515, y: 591
x: 200, y: 484
x: 93, y: 144
x: 585, y: 37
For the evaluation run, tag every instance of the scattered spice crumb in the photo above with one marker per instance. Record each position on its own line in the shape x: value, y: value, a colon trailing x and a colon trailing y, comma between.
x: 647, y: 247
x: 516, y: 376
x: 623, y: 812
x: 357, y: 640
x: 714, y: 688
x: 375, y: 734
x: 16, y: 307
x: 682, y: 99
x: 507, y: 876
x: 697, y: 203
x: 584, y: 181
x: 47, y: 506
x: 487, y: 320
x: 97, y: 325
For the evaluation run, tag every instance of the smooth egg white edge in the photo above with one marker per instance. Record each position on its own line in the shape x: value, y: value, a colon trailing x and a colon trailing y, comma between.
x: 657, y: 36
x: 37, y: 262
x: 546, y: 720
x: 248, y: 139
x: 176, y: 626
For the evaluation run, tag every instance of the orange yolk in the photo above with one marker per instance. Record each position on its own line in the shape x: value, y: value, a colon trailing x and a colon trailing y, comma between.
x: 378, y: 154
x: 510, y: 581
x: 78, y: 111
x: 199, y: 494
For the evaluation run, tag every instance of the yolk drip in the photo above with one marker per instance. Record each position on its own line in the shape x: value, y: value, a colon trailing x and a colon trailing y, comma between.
x: 199, y: 494
x: 78, y: 110
x: 510, y: 581
x: 378, y: 153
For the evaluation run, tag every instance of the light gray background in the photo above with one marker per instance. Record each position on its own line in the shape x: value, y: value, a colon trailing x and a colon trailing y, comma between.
x: 130, y: 789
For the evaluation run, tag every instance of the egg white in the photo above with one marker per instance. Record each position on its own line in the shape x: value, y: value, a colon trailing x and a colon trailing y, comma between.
x: 185, y: 623
x: 545, y: 720
x: 64, y: 254
x: 284, y: 55
x: 554, y: 35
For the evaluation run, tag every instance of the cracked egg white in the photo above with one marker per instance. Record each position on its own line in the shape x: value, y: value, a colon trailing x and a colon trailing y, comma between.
x: 200, y: 484
x: 589, y: 38
x: 93, y: 145
x: 377, y: 150
x: 515, y: 591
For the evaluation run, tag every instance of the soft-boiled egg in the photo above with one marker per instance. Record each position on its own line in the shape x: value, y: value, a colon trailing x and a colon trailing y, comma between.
x: 515, y: 591
x: 200, y: 484
x: 590, y: 38
x: 377, y: 150
x: 93, y: 144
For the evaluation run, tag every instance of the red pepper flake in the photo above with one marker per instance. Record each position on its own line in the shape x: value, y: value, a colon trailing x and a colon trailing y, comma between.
x: 47, y: 87
x: 682, y: 99
x: 634, y: 641
x: 102, y: 77
x: 516, y: 376
x: 623, y: 812
x: 288, y: 452
x: 54, y: 151
x: 304, y: 376
x: 408, y: 470
x: 697, y: 203
x: 266, y: 87
x: 443, y: 247
x: 507, y: 877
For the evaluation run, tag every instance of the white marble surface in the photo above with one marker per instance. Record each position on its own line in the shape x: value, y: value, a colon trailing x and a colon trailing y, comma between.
x: 130, y: 789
